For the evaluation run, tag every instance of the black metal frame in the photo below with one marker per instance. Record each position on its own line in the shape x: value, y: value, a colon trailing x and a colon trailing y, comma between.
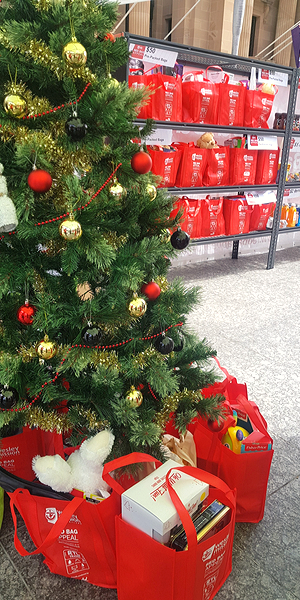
x: 240, y: 65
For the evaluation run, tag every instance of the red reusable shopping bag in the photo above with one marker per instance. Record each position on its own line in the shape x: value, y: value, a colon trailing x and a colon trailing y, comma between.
x: 259, y: 216
x: 231, y: 104
x: 242, y: 166
x: 182, y: 204
x: 267, y: 166
x: 192, y: 165
x: 217, y: 170
x: 237, y: 215
x: 77, y: 537
x: 258, y: 106
x: 212, y: 217
x: 248, y: 472
x: 199, y: 99
x: 166, y: 102
x: 148, y: 569
x: 165, y: 164
x: 139, y: 82
x: 191, y: 220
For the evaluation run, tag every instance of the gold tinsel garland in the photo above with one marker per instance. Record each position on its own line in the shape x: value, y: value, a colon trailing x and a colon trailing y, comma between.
x: 34, y: 104
x: 105, y: 358
x: 61, y: 422
x: 162, y: 282
x: 142, y: 358
x: 170, y: 404
x: 114, y: 240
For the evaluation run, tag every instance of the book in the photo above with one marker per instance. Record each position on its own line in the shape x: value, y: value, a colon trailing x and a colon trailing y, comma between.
x: 211, y: 520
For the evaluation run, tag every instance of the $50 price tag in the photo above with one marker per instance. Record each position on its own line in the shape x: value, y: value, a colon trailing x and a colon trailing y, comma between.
x: 262, y: 142
x: 151, y: 54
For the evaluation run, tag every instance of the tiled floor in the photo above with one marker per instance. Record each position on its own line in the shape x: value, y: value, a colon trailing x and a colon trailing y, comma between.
x: 251, y: 316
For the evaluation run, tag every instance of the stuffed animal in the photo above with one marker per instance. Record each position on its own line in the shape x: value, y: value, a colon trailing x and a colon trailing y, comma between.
x: 83, y: 469
x: 8, y: 215
x: 207, y: 140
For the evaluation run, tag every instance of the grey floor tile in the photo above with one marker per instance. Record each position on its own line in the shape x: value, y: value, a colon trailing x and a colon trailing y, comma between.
x: 285, y: 464
x: 12, y: 585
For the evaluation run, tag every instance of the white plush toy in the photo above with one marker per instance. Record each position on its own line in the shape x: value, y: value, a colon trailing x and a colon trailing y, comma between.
x: 83, y: 469
x: 8, y: 215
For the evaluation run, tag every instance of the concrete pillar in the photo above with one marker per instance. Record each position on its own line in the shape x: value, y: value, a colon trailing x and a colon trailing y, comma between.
x: 139, y: 19
x: 246, y: 29
x: 285, y: 19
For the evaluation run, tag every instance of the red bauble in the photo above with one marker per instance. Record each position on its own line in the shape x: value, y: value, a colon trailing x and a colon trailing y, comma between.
x: 151, y: 290
x: 26, y: 313
x: 39, y: 181
x: 141, y: 162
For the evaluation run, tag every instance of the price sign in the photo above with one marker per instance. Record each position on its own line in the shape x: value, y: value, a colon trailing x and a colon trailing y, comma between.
x: 260, y: 197
x: 295, y: 145
x: 160, y: 136
x: 262, y: 142
x: 151, y: 54
x: 272, y: 76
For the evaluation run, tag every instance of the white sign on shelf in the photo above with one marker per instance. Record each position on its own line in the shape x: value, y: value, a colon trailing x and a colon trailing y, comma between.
x: 295, y: 145
x: 262, y: 142
x: 151, y: 54
x: 272, y: 76
x: 160, y: 136
x: 260, y: 196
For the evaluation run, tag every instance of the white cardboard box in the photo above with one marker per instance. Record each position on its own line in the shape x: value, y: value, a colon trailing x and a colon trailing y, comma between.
x: 147, y: 504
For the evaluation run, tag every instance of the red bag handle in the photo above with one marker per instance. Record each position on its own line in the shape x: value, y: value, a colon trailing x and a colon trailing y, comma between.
x: 215, y: 210
x: 56, y: 529
x: 124, y: 461
x: 225, y: 78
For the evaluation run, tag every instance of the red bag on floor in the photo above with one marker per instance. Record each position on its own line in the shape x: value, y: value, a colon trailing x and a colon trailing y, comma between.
x: 212, y: 217
x: 165, y: 164
x: 199, y: 99
x: 148, y: 569
x: 258, y: 106
x: 267, y: 166
x: 192, y: 165
x: 248, y: 472
x: 166, y: 102
x: 17, y: 451
x: 77, y: 537
x: 237, y: 215
x: 242, y: 166
x: 259, y: 216
x: 231, y: 104
x: 217, y: 170
x: 139, y: 82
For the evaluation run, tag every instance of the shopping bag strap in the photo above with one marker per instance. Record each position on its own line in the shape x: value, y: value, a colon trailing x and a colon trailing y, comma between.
x: 252, y: 414
x: 229, y: 377
x: 55, y: 530
x: 124, y: 461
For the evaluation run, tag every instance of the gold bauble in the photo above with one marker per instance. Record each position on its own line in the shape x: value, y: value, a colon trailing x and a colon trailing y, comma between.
x: 151, y: 191
x: 75, y: 53
x: 46, y: 349
x: 165, y: 236
x: 112, y: 81
x: 137, y: 306
x: 70, y: 229
x: 15, y: 105
x: 117, y: 190
x: 134, y: 397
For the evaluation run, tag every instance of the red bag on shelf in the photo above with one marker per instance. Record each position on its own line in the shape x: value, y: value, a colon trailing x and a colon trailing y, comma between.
x: 199, y: 99
x: 192, y: 218
x: 259, y: 216
x: 166, y: 102
x: 267, y: 166
x: 139, y: 82
x: 183, y: 205
x: 237, y: 215
x: 165, y: 164
x: 192, y: 165
x: 212, y: 217
x: 217, y: 170
x: 242, y: 166
x: 231, y: 104
x: 258, y: 106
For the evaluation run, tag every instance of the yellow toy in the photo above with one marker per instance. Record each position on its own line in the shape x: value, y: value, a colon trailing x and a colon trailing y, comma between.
x: 234, y: 436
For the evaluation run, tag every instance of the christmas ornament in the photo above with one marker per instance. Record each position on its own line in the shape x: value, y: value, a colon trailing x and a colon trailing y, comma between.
x: 91, y: 335
x: 134, y: 397
x: 180, y: 239
x: 8, y: 396
x: 15, y: 105
x: 39, y: 181
x: 75, y: 129
x: 141, y: 162
x: 137, y: 306
x: 151, y: 290
x: 112, y: 81
x: 151, y: 191
x: 110, y: 37
x: 75, y: 53
x: 70, y: 229
x: 26, y: 313
x: 8, y: 215
x: 164, y: 344
x: 46, y: 349
x: 117, y: 190
x: 180, y: 344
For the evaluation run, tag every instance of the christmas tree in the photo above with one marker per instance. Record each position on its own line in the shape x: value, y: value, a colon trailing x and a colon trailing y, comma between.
x: 92, y: 333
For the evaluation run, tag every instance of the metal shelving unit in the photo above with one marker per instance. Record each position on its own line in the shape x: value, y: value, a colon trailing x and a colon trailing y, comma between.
x: 189, y: 56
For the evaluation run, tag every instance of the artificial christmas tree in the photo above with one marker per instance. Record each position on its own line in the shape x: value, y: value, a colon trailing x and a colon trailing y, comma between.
x: 93, y: 353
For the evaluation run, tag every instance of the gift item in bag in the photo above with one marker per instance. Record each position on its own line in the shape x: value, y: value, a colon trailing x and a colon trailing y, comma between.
x: 199, y: 99
x: 165, y: 163
x: 237, y: 215
x: 231, y: 104
x: 242, y: 166
x: 217, y: 170
x: 138, y: 82
x: 267, y: 166
x: 148, y: 569
x: 166, y: 102
x: 212, y: 217
x: 258, y: 106
x: 260, y: 215
x: 192, y: 165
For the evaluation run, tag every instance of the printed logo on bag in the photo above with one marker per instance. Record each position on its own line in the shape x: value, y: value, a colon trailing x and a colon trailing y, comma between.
x: 70, y: 536
x: 51, y: 515
x: 206, y: 92
x: 267, y: 103
x: 10, y: 451
x: 197, y: 156
x: 233, y: 94
x: 75, y: 563
x: 215, y: 549
x: 249, y: 158
x: 209, y: 586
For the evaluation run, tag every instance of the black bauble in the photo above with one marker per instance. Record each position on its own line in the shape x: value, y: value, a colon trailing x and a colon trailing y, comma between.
x: 180, y: 239
x: 180, y: 344
x: 75, y: 128
x: 8, y: 397
x: 164, y: 344
x: 91, y: 335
